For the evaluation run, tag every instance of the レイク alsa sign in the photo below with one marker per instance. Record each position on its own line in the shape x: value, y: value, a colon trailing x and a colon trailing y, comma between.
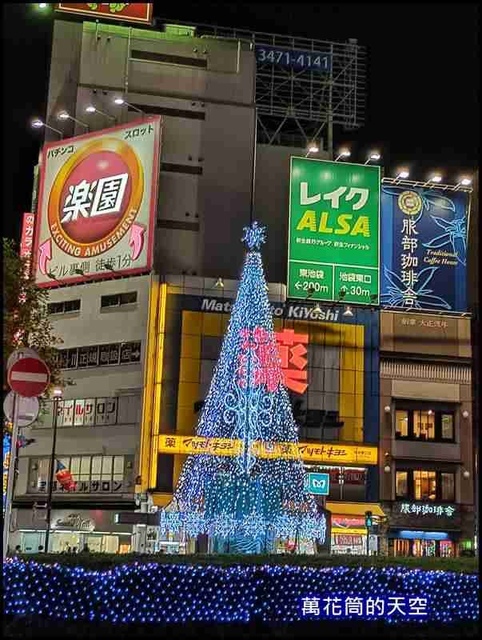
x: 334, y: 221
x: 98, y: 198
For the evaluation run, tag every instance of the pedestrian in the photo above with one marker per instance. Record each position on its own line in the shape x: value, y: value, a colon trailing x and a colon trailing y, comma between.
x: 74, y: 550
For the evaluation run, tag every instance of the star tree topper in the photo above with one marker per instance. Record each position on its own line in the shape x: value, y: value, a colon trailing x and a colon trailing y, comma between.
x: 254, y: 236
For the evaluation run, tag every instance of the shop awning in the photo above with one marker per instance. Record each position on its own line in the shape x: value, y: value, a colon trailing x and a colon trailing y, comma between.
x: 354, y: 508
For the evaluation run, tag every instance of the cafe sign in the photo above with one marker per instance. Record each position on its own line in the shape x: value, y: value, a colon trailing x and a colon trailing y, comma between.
x: 424, y: 509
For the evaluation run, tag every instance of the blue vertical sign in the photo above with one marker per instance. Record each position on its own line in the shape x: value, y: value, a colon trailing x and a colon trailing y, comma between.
x: 7, y: 439
x: 424, y: 248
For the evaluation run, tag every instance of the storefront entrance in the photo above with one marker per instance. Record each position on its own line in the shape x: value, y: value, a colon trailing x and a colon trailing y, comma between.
x: 424, y: 548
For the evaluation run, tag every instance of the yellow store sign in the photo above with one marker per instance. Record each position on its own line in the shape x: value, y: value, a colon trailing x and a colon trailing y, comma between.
x: 338, y: 454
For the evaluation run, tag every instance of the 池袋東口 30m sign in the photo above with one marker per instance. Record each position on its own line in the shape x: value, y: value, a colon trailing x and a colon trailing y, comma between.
x: 334, y: 248
x: 97, y: 204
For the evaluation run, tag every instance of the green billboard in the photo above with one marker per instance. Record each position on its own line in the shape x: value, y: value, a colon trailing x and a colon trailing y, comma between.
x: 334, y: 231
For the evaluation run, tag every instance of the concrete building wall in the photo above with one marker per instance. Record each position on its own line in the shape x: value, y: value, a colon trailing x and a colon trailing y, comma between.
x: 94, y: 325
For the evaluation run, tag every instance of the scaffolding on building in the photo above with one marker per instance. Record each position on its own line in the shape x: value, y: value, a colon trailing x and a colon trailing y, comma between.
x: 304, y: 87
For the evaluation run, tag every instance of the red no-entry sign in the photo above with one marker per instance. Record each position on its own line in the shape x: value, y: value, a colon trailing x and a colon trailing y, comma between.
x: 29, y: 377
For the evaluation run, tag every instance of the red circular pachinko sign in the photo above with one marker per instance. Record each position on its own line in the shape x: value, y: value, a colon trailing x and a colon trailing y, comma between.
x: 95, y: 197
x: 29, y: 377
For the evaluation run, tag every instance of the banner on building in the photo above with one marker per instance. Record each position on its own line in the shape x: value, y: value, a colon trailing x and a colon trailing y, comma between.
x: 125, y: 11
x: 334, y: 453
x: 333, y: 244
x: 7, y: 445
x: 424, y: 249
x: 26, y: 240
x: 97, y: 206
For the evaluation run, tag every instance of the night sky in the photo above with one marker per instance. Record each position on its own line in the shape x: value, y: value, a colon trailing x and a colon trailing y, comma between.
x: 422, y: 102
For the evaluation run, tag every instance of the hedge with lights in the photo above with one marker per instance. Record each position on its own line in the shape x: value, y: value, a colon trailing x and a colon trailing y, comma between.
x: 175, y: 593
x: 106, y: 561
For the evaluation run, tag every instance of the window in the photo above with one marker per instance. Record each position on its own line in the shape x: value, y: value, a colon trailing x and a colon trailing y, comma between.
x: 118, y: 299
x: 425, y: 484
x: 401, y: 484
x: 69, y: 306
x: 424, y: 425
x: 91, y: 474
x: 401, y: 424
x: 447, y: 482
x: 447, y: 426
x: 99, y: 355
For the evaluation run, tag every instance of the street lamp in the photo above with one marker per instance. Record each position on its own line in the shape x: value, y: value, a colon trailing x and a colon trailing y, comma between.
x: 463, y: 182
x: 436, y: 178
x: 373, y: 157
x: 91, y: 109
x: 313, y: 148
x: 63, y: 115
x: 38, y: 124
x: 57, y: 393
x: 120, y: 101
x: 402, y: 175
x: 344, y: 153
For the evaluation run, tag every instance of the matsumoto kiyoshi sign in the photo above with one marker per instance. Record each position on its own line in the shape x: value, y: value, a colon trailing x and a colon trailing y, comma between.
x: 333, y: 249
x: 98, y: 198
x: 288, y: 311
x: 424, y: 249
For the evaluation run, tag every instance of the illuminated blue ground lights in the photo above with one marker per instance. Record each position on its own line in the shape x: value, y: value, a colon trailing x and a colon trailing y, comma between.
x: 176, y: 593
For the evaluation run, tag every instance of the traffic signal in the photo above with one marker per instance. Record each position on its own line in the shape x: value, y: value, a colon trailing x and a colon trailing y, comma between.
x: 368, y: 519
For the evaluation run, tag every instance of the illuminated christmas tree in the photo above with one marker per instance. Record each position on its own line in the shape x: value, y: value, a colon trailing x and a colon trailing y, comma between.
x: 245, y: 501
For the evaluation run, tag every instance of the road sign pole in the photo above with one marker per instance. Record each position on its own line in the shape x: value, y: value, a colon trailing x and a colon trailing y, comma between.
x: 51, y: 474
x: 11, y: 476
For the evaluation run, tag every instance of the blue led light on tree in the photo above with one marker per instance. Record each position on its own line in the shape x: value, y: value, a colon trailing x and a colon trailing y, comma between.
x: 244, y: 502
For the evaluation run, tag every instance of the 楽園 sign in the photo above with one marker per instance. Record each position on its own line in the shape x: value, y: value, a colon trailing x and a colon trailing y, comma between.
x: 333, y: 248
x: 424, y: 250
x: 318, y: 483
x: 125, y: 11
x: 97, y: 204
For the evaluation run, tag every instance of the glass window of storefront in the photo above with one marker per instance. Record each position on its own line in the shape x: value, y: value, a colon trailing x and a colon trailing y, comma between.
x: 111, y: 474
x: 447, y: 426
x: 424, y: 547
x: 424, y: 424
x: 401, y: 484
x: 401, y: 424
x: 74, y: 541
x: 424, y: 484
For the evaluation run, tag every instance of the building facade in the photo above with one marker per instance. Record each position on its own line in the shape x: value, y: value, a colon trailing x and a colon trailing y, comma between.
x: 426, y: 445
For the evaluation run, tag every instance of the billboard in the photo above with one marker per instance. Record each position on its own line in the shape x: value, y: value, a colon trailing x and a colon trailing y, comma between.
x: 333, y: 243
x: 424, y: 250
x: 97, y: 204
x: 125, y: 11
